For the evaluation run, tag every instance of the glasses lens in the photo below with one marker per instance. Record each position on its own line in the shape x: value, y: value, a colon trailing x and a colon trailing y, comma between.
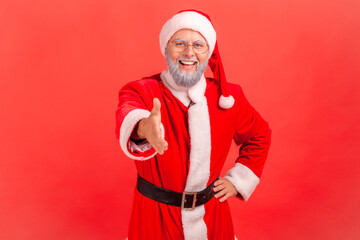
x: 200, y: 47
x: 180, y: 45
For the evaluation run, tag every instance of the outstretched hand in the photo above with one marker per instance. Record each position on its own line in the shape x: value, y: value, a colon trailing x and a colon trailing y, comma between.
x: 149, y: 129
x: 225, y: 189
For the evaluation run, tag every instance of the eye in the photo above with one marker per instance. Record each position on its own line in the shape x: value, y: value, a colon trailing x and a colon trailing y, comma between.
x: 179, y: 44
x: 199, y: 45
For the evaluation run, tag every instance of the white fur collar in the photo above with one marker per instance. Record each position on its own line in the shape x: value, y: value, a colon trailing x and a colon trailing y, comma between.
x: 185, y: 95
x: 200, y: 150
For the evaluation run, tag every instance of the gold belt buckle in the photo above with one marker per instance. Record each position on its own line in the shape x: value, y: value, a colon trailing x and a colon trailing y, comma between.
x: 183, y: 200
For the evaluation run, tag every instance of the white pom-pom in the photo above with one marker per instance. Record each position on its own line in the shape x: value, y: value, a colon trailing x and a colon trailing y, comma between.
x: 226, y: 102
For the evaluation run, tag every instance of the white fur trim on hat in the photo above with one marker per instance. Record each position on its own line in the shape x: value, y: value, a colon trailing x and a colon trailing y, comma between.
x: 188, y: 20
x: 226, y: 102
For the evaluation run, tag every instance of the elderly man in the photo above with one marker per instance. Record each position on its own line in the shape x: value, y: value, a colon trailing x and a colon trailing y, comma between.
x: 178, y: 127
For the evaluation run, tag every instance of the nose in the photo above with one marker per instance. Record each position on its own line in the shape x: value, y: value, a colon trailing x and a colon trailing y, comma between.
x: 189, y: 52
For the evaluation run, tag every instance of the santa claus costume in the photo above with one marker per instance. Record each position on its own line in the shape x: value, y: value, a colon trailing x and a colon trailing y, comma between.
x: 199, y: 137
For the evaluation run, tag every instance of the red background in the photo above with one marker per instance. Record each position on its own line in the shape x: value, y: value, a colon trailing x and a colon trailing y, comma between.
x: 62, y: 173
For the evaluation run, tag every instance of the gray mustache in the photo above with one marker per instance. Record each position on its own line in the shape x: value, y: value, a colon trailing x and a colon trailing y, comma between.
x: 187, y: 59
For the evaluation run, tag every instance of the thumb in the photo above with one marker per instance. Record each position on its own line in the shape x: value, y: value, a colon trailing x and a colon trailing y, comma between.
x: 156, y: 106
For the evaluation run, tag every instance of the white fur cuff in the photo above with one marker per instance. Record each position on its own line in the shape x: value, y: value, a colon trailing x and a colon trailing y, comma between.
x: 244, y: 180
x: 127, y: 127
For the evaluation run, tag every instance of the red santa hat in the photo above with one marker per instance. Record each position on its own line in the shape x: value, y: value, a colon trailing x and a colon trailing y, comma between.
x: 200, y: 22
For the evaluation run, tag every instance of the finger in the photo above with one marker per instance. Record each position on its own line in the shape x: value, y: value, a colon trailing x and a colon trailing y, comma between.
x: 160, y: 146
x: 159, y: 149
x: 218, y: 182
x: 223, y: 199
x: 156, y: 106
x: 154, y: 131
x: 157, y: 133
x: 157, y: 137
x: 164, y: 144
x: 219, y: 187
x: 221, y: 193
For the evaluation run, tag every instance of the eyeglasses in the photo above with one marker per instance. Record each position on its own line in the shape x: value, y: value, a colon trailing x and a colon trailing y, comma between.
x: 198, y: 46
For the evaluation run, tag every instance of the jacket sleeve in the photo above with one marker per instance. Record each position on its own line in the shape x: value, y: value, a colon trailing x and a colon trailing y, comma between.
x: 134, y: 105
x: 253, y: 135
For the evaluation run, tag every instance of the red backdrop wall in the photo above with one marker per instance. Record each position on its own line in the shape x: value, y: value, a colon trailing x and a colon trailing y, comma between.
x: 62, y: 173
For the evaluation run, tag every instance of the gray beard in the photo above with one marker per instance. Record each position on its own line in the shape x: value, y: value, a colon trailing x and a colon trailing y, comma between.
x: 185, y: 78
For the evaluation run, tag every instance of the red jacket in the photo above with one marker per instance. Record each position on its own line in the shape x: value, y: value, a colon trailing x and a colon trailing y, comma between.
x: 199, y: 140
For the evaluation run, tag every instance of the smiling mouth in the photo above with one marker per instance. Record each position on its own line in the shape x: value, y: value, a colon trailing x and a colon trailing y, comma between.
x: 187, y: 63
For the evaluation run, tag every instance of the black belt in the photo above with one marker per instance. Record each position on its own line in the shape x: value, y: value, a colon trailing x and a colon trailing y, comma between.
x: 185, y: 200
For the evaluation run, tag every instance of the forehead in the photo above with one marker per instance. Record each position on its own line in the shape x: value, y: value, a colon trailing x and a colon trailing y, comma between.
x: 188, y: 35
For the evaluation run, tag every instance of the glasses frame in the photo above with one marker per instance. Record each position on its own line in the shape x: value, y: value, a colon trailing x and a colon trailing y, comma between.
x: 187, y: 46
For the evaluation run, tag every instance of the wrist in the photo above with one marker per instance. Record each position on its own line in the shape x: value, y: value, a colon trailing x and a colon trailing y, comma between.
x: 139, y: 129
x: 137, y: 133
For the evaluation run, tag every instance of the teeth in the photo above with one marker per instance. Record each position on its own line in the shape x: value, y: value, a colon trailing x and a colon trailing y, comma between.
x: 187, y: 63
